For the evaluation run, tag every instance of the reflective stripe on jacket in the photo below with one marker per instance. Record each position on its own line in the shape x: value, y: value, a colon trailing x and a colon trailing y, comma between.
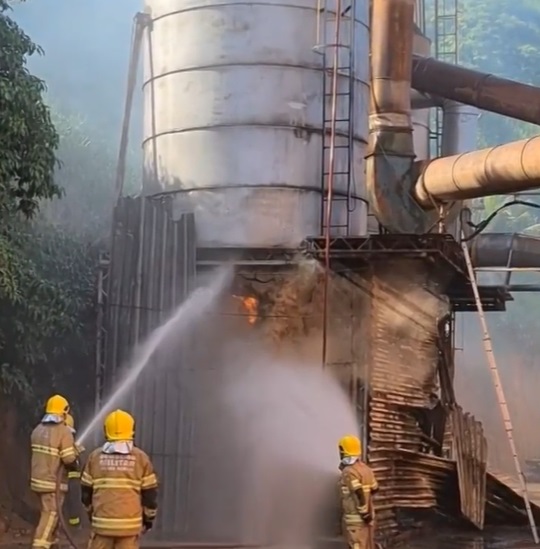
x: 52, y: 445
x: 117, y: 482
x: 357, y: 476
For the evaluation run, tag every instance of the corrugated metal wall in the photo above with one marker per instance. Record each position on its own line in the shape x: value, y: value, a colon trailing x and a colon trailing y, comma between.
x: 404, y: 354
x: 152, y: 268
x: 406, y: 346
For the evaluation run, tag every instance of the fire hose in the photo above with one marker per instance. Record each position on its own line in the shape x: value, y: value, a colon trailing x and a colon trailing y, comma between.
x: 59, y: 500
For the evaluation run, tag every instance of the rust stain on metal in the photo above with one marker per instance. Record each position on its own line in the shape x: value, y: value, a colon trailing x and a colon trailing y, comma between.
x: 469, y: 450
x: 410, y: 357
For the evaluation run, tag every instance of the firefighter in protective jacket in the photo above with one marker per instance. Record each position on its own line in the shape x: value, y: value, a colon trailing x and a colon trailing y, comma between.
x: 357, y: 486
x: 119, y: 487
x: 73, y: 498
x: 52, y: 447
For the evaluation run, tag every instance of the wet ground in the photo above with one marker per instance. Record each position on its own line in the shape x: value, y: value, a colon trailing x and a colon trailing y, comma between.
x: 496, y: 538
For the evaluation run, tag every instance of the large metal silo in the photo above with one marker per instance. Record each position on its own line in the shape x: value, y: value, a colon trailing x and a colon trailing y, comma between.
x: 233, y: 117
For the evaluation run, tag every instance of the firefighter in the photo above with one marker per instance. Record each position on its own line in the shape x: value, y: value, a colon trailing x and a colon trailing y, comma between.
x: 52, y: 447
x: 73, y: 499
x: 119, y: 487
x: 357, y: 485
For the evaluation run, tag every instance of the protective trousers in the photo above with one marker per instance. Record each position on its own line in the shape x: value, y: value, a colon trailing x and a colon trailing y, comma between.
x: 108, y: 542
x: 73, y: 499
x: 359, y: 537
x: 44, y: 535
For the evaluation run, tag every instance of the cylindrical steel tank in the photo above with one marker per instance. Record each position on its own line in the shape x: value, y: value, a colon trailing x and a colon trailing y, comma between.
x: 420, y: 117
x: 233, y: 117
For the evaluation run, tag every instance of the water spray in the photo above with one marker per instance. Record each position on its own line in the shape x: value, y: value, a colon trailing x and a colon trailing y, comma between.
x: 190, y: 312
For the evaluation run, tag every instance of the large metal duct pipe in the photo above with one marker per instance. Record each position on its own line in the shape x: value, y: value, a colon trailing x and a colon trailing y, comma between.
x: 390, y: 145
x: 393, y: 198
x: 460, y: 122
x: 459, y: 134
x: 505, y: 250
x: 508, y: 168
x: 460, y: 128
x: 482, y: 90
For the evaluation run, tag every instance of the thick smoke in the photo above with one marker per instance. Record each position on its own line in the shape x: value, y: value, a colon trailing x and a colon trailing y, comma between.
x: 85, y: 65
x: 518, y: 367
x: 290, y: 416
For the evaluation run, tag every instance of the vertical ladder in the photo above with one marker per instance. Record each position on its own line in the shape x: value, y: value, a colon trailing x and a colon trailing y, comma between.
x: 335, y: 40
x: 446, y: 50
x: 420, y: 15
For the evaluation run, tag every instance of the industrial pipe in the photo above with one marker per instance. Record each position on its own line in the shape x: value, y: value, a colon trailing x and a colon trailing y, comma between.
x: 421, y: 100
x: 390, y: 145
x: 391, y: 57
x: 459, y: 128
x: 518, y: 251
x: 508, y: 168
x: 61, y: 519
x: 460, y: 122
x: 482, y: 90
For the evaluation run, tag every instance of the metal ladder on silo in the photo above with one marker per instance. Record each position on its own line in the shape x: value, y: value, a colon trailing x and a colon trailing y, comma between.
x: 445, y: 41
x: 337, y: 107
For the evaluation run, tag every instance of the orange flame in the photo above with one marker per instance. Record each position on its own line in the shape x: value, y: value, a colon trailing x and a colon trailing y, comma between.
x: 251, y: 306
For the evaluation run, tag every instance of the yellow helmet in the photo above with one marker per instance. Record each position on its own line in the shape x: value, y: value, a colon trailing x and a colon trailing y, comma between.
x: 350, y: 446
x: 70, y: 422
x: 57, y: 405
x: 119, y: 425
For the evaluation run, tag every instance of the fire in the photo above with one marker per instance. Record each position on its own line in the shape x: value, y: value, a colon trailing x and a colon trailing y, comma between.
x: 250, y: 305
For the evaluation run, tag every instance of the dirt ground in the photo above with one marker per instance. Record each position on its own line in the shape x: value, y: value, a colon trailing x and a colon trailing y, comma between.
x: 22, y: 538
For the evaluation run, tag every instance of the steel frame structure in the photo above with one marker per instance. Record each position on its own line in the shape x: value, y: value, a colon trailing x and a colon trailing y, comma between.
x: 101, y: 330
x: 435, y: 250
x: 264, y: 258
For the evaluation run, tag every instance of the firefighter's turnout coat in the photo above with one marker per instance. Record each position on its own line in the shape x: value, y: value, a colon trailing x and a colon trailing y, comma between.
x: 53, y: 449
x: 358, y: 477
x: 52, y: 446
x: 119, y: 491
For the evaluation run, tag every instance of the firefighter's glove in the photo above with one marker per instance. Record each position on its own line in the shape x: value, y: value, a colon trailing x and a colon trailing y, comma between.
x: 147, y: 525
x: 367, y: 518
x: 80, y: 448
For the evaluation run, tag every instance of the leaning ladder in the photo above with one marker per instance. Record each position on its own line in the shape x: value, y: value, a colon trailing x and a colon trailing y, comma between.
x: 505, y: 412
x: 335, y: 40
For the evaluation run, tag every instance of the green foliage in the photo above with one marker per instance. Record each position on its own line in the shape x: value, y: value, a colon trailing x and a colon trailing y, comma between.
x: 28, y: 139
x: 49, y: 295
x: 48, y: 261
x: 87, y: 174
x: 501, y: 37
x: 48, y: 270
